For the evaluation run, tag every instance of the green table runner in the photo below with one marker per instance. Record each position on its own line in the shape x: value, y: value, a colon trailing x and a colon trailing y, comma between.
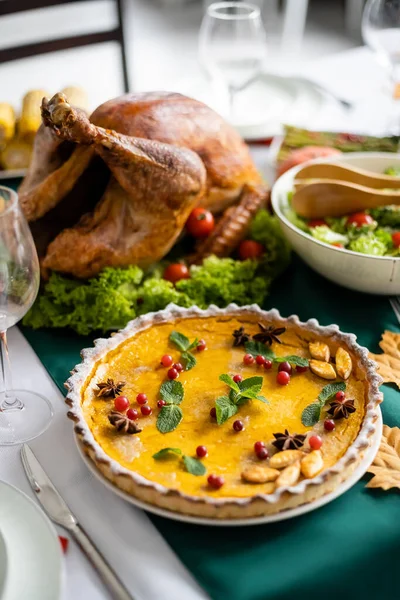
x: 349, y: 548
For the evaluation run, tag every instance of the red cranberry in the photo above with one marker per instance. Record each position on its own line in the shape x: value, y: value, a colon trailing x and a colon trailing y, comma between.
x: 301, y: 369
x: 267, y: 364
x: 283, y: 378
x: 262, y: 454
x: 315, y: 442
x: 213, y: 413
x: 258, y: 446
x: 329, y: 425
x: 132, y: 414
x: 238, y: 425
x: 146, y: 410
x: 141, y: 398
x: 201, y: 451
x: 260, y: 360
x: 285, y: 366
x: 201, y: 346
x: 172, y: 373
x: 178, y: 367
x: 248, y: 359
x: 215, y: 481
x: 340, y: 396
x: 121, y: 403
x: 237, y: 378
x: 166, y: 360
x: 161, y: 403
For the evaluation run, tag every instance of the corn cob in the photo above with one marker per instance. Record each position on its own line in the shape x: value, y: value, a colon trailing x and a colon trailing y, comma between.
x: 31, y: 118
x: 7, y: 122
x: 16, y: 155
x: 76, y: 96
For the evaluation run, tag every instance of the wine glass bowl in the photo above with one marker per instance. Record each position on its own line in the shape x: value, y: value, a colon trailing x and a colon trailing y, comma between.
x: 232, y: 45
x: 23, y: 414
x: 19, y: 265
x: 381, y: 32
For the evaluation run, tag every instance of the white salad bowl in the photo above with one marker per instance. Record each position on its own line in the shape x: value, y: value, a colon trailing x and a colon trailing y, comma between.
x: 371, y: 274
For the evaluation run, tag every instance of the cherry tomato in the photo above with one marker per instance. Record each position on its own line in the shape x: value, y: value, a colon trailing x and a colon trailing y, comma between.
x: 396, y: 239
x: 338, y: 245
x: 200, y: 223
x: 250, y: 249
x: 359, y: 219
x: 316, y: 222
x: 176, y: 272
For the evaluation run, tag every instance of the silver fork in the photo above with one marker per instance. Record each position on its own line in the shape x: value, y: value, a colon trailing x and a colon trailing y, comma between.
x: 395, y: 302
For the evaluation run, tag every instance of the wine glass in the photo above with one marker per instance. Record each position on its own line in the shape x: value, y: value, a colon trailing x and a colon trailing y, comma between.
x: 232, y: 45
x: 381, y: 32
x: 23, y: 414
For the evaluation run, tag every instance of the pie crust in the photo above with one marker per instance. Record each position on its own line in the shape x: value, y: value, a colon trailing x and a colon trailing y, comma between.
x: 209, y: 506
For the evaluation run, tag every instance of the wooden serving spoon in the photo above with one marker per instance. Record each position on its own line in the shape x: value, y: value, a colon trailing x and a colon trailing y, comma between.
x: 350, y: 174
x: 330, y: 198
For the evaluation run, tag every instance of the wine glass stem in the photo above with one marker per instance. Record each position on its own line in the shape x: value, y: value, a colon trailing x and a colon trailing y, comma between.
x: 232, y: 97
x: 9, y: 400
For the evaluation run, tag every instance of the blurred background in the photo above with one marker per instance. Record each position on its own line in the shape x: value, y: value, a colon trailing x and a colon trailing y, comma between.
x: 160, y: 41
x: 296, y: 62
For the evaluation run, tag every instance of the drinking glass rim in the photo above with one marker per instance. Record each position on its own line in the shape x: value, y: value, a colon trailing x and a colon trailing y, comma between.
x: 213, y: 11
x: 13, y: 199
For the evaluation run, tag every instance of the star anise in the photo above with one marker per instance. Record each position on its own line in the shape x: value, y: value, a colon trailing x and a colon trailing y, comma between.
x: 269, y: 334
x: 122, y: 423
x: 286, y: 441
x: 241, y: 337
x: 109, y: 388
x: 341, y: 409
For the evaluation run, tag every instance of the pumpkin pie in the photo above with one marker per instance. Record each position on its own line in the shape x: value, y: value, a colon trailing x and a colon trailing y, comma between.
x: 225, y: 413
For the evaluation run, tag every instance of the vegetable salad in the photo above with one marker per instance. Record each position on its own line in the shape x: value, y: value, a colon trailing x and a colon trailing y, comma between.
x: 375, y: 232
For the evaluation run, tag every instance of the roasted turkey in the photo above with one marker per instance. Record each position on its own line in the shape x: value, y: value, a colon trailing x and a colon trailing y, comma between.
x: 117, y: 189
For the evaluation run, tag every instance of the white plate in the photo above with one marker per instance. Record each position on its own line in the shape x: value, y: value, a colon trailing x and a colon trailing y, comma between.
x: 287, y: 514
x: 13, y: 173
x: 34, y: 559
x: 264, y: 106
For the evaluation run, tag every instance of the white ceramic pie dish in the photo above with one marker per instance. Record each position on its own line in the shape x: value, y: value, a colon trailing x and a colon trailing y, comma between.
x: 371, y: 274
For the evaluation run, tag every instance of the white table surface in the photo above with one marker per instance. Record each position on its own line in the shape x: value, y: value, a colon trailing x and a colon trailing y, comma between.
x: 150, y: 568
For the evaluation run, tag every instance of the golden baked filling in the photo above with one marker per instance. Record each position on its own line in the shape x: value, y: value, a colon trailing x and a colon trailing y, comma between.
x: 311, y: 408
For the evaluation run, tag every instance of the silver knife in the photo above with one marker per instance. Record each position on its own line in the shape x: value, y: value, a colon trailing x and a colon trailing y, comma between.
x: 59, y: 512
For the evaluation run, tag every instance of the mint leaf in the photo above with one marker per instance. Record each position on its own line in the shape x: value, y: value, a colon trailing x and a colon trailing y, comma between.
x: 254, y: 383
x: 330, y: 390
x: 262, y: 399
x: 255, y: 348
x: 189, y: 360
x: 293, y: 359
x: 194, y: 344
x: 166, y: 452
x: 311, y: 414
x: 169, y: 418
x: 225, y: 409
x: 229, y: 381
x: 194, y: 466
x: 172, y: 392
x: 249, y: 395
x: 179, y: 340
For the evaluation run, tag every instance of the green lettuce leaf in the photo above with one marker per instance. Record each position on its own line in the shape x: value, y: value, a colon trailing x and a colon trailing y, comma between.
x: 368, y: 244
x: 323, y: 233
x: 115, y: 296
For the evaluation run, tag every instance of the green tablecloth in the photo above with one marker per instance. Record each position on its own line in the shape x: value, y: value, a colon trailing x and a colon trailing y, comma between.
x: 348, y: 549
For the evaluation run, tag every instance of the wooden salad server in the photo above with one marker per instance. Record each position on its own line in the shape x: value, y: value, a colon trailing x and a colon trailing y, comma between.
x: 351, y: 174
x: 331, y: 198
